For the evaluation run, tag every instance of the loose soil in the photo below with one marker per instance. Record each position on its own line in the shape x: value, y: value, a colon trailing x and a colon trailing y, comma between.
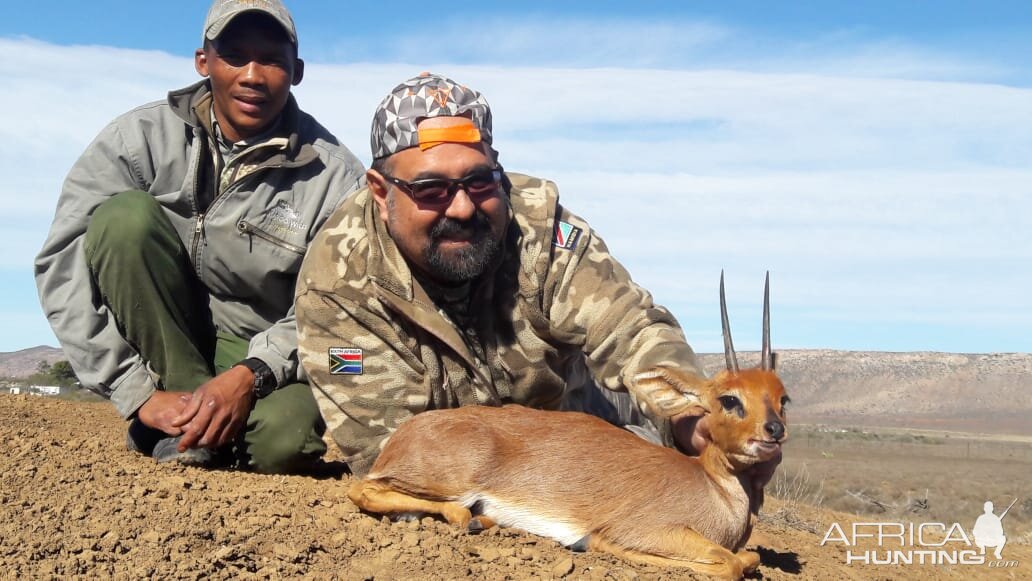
x: 75, y: 503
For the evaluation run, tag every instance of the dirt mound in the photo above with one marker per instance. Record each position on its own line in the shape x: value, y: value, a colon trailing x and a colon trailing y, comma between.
x: 74, y: 502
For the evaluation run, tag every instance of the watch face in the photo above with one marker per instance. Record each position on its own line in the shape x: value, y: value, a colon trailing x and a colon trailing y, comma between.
x: 264, y: 380
x: 262, y: 389
x: 263, y: 383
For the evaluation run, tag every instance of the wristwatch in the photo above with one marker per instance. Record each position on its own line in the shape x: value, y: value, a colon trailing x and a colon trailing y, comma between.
x: 264, y: 379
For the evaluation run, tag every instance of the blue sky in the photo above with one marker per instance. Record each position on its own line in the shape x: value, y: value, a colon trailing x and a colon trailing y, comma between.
x: 875, y: 156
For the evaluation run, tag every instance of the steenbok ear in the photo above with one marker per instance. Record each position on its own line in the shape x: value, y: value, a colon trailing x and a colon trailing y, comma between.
x: 668, y: 392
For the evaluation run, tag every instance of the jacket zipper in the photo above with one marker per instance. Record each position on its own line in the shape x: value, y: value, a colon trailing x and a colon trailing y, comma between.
x: 198, y: 235
x: 199, y: 226
x: 246, y: 228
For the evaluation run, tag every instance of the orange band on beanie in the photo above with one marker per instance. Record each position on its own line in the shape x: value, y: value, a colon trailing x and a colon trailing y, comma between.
x: 464, y: 133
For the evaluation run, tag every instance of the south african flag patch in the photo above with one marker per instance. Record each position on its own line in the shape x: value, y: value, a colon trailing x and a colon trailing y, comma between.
x: 566, y: 235
x: 345, y: 361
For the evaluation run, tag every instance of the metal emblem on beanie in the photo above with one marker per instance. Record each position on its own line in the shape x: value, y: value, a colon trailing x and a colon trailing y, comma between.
x: 428, y: 95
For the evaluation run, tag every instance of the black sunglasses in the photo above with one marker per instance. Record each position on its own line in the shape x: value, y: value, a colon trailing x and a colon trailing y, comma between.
x: 478, y: 185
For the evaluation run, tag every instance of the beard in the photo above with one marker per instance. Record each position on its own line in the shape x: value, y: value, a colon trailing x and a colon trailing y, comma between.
x: 456, y: 266
x: 460, y: 266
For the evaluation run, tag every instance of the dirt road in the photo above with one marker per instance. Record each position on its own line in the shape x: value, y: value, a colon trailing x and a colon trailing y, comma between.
x: 75, y: 503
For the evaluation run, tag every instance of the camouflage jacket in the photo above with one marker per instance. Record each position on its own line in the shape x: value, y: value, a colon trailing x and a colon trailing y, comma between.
x: 377, y: 349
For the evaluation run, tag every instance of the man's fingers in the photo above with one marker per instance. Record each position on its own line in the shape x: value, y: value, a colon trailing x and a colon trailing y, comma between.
x: 228, y: 433
x: 187, y: 441
x: 702, y: 428
x: 159, y: 411
x: 196, y: 428
x: 193, y: 405
x: 165, y: 425
x: 699, y: 441
x: 173, y: 431
x: 210, y: 439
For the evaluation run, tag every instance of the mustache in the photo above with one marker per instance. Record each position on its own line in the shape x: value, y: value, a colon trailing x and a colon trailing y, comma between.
x: 477, y: 224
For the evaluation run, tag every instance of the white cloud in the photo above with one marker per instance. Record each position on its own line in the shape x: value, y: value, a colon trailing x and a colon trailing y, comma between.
x: 668, y: 43
x: 868, y: 197
x: 56, y: 96
x: 542, y: 41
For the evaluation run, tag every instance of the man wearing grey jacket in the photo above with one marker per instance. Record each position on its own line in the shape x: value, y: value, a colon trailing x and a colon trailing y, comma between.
x: 169, y: 271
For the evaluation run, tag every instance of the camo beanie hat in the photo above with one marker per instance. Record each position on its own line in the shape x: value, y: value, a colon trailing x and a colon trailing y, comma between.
x: 428, y: 95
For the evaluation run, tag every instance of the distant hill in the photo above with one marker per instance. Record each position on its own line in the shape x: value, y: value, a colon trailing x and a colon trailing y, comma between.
x: 940, y: 391
x: 21, y: 364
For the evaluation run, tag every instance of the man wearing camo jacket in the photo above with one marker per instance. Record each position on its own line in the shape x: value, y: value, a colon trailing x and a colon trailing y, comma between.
x: 448, y: 282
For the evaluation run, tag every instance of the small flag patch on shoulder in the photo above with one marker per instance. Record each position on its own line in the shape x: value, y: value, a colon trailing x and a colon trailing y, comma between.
x: 566, y: 235
x: 345, y: 361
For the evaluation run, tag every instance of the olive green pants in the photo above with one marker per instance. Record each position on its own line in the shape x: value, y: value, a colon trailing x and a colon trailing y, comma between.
x: 145, y: 277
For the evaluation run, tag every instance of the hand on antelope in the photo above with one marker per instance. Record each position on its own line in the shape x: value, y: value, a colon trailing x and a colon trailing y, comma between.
x: 588, y: 484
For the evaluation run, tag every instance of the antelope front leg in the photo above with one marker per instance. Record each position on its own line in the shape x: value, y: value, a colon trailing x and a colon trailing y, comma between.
x: 379, y: 498
x: 683, y: 548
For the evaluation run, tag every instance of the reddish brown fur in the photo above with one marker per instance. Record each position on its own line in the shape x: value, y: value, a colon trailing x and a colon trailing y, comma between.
x: 637, y: 500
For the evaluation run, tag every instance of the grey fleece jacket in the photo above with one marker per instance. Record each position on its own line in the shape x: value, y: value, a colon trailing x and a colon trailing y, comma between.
x: 246, y: 246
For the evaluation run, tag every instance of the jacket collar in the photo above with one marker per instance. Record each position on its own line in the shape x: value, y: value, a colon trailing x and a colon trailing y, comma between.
x: 193, y: 104
x: 403, y: 293
x: 388, y: 268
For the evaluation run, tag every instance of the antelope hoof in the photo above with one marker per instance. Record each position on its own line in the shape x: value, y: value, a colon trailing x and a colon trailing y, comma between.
x: 480, y: 523
x: 456, y: 515
x: 749, y: 559
x: 582, y: 545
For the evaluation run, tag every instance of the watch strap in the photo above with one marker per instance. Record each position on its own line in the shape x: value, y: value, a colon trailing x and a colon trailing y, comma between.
x: 264, y: 378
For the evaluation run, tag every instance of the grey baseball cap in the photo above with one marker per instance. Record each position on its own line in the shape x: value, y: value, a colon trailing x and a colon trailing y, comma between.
x: 427, y: 95
x: 222, y: 12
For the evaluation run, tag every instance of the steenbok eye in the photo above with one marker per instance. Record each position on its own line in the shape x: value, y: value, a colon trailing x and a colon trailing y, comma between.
x: 730, y: 402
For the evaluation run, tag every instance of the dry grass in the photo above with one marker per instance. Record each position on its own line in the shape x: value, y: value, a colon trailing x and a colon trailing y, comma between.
x: 797, y: 486
x: 906, y: 477
x: 794, y: 487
